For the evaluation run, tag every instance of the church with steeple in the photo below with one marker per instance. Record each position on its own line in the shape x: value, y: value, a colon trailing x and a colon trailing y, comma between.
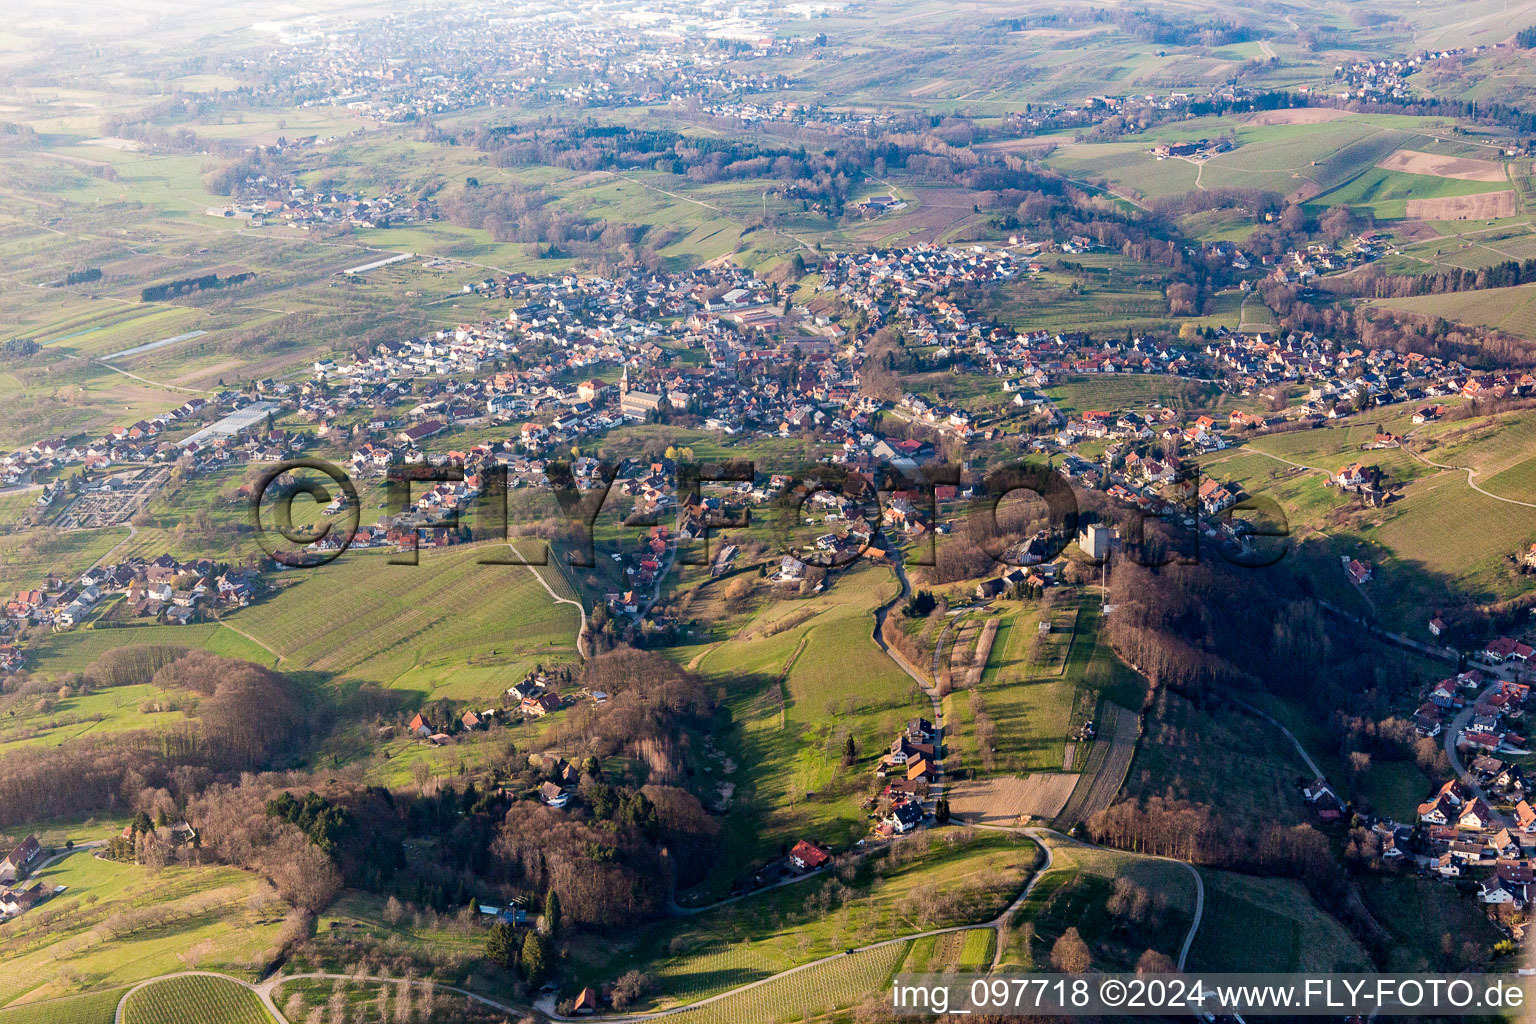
x: 635, y: 404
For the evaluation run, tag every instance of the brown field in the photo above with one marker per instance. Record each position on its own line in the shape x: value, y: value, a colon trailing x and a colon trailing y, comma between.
x: 1416, y: 231
x: 1028, y: 146
x: 932, y: 87
x: 1441, y: 166
x: 1305, y: 192
x: 1002, y: 801
x: 1301, y: 115
x: 1058, y: 33
x: 938, y: 210
x: 1484, y: 206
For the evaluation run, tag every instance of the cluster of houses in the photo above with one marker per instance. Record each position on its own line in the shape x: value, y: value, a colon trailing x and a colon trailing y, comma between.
x: 163, y: 588
x: 1493, y: 706
x: 1386, y: 78
x: 141, y: 442
x: 1461, y: 833
x: 907, y: 768
x: 1303, y: 266
x: 260, y: 200
x: 534, y: 697
x: 1457, y: 833
x: 1496, y: 705
x: 764, y: 370
x: 16, y: 897
x: 404, y: 66
x: 1481, y: 824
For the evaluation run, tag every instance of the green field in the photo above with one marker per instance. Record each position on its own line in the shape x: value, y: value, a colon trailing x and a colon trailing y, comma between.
x: 448, y: 627
x: 88, y: 1008
x: 1269, y: 924
x: 1100, y: 292
x: 1384, y: 194
x: 1432, y: 547
x: 1033, y: 703
x: 196, y: 999
x: 26, y: 558
x: 1115, y: 392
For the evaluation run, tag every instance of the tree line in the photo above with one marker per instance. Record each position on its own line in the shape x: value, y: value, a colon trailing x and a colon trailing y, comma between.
x: 188, y: 285
x: 1373, y: 283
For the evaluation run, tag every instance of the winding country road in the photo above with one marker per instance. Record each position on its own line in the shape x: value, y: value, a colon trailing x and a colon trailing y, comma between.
x: 581, y: 634
x: 1470, y: 472
x: 1317, y: 773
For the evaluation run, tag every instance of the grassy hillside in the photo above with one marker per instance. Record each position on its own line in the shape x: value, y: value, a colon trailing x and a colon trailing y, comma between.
x: 932, y: 880
x: 1075, y: 892
x: 75, y: 650
x: 1269, y: 924
x: 448, y: 627
x: 120, y: 923
x: 1512, y: 310
x: 800, y: 677
x: 1417, y: 544
x: 1215, y: 756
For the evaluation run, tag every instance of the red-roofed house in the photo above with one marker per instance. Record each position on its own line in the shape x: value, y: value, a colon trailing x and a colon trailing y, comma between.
x: 1525, y: 817
x: 808, y: 856
x: 1476, y: 815
x: 21, y: 860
